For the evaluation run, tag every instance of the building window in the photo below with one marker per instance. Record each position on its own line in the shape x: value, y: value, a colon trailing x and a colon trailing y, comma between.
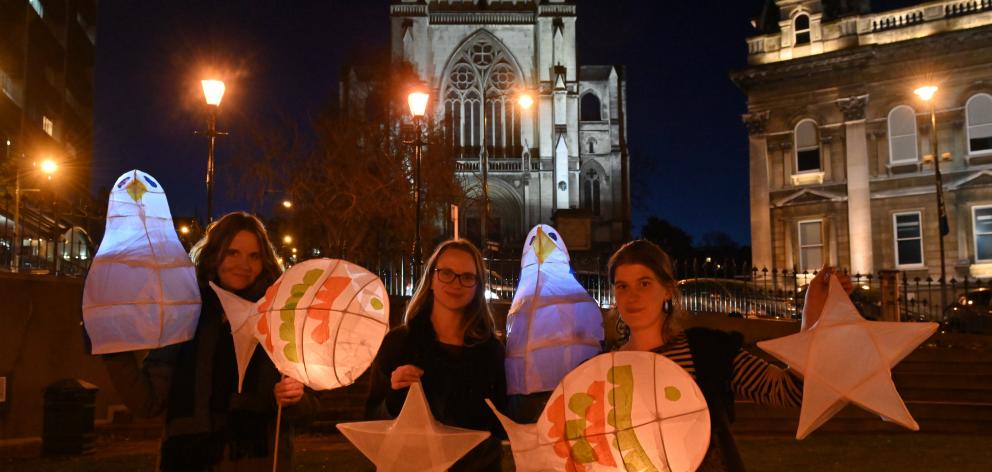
x: 902, y: 135
x: 909, y: 239
x: 979, y: 118
x: 807, y: 147
x: 801, y: 26
x: 47, y: 125
x: 590, y: 107
x: 591, y: 145
x: 982, y: 221
x: 590, y: 191
x: 810, y: 245
x: 479, y: 102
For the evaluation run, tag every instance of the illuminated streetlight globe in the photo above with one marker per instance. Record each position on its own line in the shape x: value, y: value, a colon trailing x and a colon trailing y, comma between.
x: 926, y: 93
x: 49, y: 166
x: 525, y: 101
x: 418, y: 103
x: 287, y: 239
x: 213, y: 91
x: 184, y: 229
x: 287, y: 204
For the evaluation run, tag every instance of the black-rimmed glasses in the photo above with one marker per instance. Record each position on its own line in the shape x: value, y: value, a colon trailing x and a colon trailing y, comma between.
x: 467, y: 280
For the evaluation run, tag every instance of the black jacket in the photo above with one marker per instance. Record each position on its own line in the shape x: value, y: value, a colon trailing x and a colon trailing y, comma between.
x: 457, y: 380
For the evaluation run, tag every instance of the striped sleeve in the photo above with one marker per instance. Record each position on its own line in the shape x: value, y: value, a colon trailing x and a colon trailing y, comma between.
x: 763, y: 383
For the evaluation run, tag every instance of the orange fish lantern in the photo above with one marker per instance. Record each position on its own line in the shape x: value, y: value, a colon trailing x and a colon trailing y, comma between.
x: 321, y: 323
x: 617, y: 411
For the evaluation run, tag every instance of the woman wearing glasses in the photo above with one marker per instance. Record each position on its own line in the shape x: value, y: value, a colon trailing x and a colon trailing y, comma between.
x: 447, y: 343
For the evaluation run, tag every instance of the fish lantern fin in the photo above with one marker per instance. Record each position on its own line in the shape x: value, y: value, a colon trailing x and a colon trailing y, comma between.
x: 239, y: 313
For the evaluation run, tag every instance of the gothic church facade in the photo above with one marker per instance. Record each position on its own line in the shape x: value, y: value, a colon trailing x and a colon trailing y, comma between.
x: 563, y: 159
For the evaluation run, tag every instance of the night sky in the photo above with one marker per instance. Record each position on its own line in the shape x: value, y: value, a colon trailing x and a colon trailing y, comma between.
x: 688, y: 145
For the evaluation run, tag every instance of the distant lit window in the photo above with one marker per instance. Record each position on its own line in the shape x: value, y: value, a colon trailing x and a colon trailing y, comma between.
x: 36, y: 4
x: 810, y: 245
x: 909, y: 238
x: 807, y: 147
x: 590, y: 191
x: 982, y: 221
x: 902, y: 134
x: 979, y: 118
x: 589, y: 107
x: 801, y: 27
x: 47, y: 125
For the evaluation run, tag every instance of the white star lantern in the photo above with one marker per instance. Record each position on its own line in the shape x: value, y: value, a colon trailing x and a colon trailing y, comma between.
x: 414, y: 440
x: 844, y: 358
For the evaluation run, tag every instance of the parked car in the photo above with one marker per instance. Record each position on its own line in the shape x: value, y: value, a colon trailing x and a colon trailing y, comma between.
x: 737, y: 298
x: 971, y: 312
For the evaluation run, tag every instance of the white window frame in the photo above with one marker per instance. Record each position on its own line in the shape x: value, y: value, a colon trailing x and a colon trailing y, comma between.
x: 47, y: 125
x: 974, y: 231
x: 967, y: 126
x: 818, y: 147
x: 895, y: 240
x: 796, y: 32
x: 801, y: 246
x: 916, y: 143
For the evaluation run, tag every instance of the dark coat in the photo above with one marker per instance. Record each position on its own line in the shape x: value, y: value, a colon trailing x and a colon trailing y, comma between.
x: 457, y: 380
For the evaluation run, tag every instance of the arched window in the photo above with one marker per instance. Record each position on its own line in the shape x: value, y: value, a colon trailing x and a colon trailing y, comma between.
x: 479, y: 101
x: 801, y: 26
x: 979, y: 117
x: 590, y: 191
x: 591, y: 145
x: 807, y: 147
x: 589, y: 107
x: 902, y: 135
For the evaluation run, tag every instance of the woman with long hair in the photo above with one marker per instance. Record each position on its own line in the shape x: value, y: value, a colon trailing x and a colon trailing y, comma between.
x: 647, y: 299
x: 448, y: 343
x: 208, y: 424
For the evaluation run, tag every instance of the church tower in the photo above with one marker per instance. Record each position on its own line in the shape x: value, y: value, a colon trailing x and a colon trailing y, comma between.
x: 562, y: 160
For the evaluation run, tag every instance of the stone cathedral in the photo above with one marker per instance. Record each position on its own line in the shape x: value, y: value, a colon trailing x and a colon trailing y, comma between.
x: 563, y: 160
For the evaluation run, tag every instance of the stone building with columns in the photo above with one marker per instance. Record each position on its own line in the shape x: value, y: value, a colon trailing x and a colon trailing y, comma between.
x: 563, y: 160
x: 840, y: 148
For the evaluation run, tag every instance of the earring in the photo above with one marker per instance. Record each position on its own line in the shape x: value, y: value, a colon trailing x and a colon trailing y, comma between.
x: 667, y: 307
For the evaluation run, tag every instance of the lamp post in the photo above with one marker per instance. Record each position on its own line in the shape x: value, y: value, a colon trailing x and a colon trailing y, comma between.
x: 926, y: 94
x: 213, y: 92
x: 418, y: 108
x: 49, y: 167
x: 525, y: 101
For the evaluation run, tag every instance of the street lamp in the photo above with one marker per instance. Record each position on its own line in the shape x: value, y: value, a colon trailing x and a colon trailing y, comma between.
x: 48, y: 167
x: 213, y: 92
x: 926, y: 94
x: 418, y: 108
x: 287, y: 204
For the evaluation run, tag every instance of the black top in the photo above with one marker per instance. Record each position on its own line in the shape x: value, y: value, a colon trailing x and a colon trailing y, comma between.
x: 457, y: 380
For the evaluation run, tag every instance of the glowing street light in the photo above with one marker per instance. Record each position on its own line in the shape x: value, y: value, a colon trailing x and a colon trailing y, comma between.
x: 418, y: 108
x: 213, y: 92
x: 287, y: 204
x: 49, y: 167
x: 287, y: 239
x: 525, y: 101
x: 184, y: 229
x: 927, y: 93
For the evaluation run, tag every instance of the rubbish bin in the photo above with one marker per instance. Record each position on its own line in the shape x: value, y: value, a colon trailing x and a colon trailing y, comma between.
x: 68, y: 423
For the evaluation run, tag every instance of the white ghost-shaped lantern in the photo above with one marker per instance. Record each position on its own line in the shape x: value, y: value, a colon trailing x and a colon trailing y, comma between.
x: 618, y: 411
x: 141, y: 290
x: 321, y: 323
x: 553, y: 324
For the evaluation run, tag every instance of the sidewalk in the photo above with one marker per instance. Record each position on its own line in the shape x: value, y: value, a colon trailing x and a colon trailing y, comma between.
x: 820, y: 452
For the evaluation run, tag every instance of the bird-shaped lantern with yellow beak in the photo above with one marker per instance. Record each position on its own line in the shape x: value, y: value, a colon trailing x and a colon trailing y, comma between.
x: 553, y: 324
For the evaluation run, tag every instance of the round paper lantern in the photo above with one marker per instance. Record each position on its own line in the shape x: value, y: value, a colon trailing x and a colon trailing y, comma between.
x: 322, y: 322
x: 617, y: 411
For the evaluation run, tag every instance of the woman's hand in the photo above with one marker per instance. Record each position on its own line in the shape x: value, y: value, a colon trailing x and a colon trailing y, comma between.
x: 816, y: 294
x: 288, y: 391
x: 405, y: 375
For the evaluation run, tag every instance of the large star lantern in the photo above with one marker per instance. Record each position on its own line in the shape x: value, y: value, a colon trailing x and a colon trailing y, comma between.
x: 845, y: 359
x: 414, y: 440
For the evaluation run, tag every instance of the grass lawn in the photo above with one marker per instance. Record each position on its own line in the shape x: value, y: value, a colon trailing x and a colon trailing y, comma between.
x: 826, y: 452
